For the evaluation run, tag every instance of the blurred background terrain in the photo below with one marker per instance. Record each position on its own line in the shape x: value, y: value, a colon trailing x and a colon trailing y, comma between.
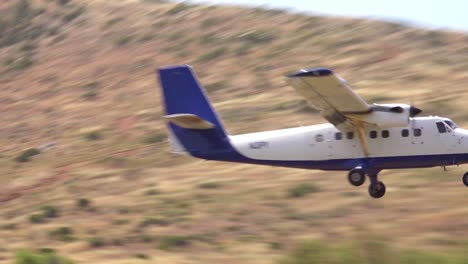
x: 85, y: 166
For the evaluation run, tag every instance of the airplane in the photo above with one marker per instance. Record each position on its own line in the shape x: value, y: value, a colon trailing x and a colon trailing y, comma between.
x: 361, y: 138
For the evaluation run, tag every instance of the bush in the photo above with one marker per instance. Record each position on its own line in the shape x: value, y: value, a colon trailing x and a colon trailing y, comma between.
x: 90, y: 95
x: 73, y: 14
x: 154, y: 221
x: 37, y: 218
x: 178, y: 8
x: 141, y: 256
x: 93, y: 135
x: 155, y: 138
x: 50, y: 211
x: 212, y: 54
x: 26, y: 155
x: 21, y: 64
x: 123, y: 40
x: 63, y: 2
x: 83, y: 202
x: 152, y: 192
x: 302, y: 190
x: 311, y: 252
x: 170, y: 242
x: 209, y: 185
x: 28, y: 257
x: 96, y: 242
x: 63, y: 233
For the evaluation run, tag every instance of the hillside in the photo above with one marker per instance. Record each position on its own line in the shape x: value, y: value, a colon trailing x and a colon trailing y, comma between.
x: 78, y: 76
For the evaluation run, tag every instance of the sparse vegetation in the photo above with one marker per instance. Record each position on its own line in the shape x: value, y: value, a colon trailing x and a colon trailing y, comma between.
x: 63, y: 233
x: 172, y: 242
x: 154, y: 138
x: 368, y: 252
x: 209, y: 185
x: 29, y: 257
x: 83, y: 202
x: 123, y: 40
x: 93, y: 135
x: 37, y: 218
x: 50, y: 211
x: 96, y: 242
x: 26, y: 155
x: 213, y: 54
x: 302, y: 190
x: 154, y: 221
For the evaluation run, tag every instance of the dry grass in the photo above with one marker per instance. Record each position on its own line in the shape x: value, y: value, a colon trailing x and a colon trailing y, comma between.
x: 94, y: 95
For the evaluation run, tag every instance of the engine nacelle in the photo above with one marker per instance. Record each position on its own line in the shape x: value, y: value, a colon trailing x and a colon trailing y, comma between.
x: 389, y: 115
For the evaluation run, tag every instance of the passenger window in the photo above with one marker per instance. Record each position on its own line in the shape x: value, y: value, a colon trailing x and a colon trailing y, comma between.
x: 441, y: 127
x: 349, y: 135
x: 405, y: 133
x: 319, y: 138
x: 373, y: 134
x: 338, y: 136
x: 385, y: 133
x: 417, y: 132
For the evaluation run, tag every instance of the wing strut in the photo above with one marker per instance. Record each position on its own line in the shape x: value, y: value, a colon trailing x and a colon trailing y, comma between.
x: 362, y: 136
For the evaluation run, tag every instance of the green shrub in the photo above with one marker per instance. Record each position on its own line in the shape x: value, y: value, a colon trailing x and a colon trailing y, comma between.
x: 96, y: 242
x: 63, y: 2
x: 73, y: 14
x: 83, y: 202
x: 123, y: 40
x: 211, y: 55
x: 179, y: 8
x: 26, y: 155
x: 212, y: 87
x: 63, y: 233
x: 21, y: 64
x: 171, y: 242
x: 141, y: 256
x: 153, y: 221
x: 90, y: 95
x: 155, y: 138
x: 28, y: 257
x: 209, y: 185
x: 112, y: 22
x: 93, y: 135
x: 302, y: 190
x: 151, y: 192
x: 28, y: 47
x: 37, y: 218
x: 50, y: 211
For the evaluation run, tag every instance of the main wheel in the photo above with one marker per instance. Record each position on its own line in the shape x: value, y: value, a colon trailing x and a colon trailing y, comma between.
x: 356, y: 177
x: 465, y: 179
x: 377, y: 190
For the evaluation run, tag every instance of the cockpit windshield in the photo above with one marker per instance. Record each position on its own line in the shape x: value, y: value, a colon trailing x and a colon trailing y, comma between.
x: 451, y: 124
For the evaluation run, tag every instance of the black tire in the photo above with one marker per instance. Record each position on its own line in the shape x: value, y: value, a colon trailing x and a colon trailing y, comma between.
x: 465, y: 179
x: 356, y: 177
x: 377, y: 190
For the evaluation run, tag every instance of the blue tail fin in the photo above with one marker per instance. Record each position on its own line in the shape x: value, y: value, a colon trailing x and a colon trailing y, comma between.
x: 185, y: 102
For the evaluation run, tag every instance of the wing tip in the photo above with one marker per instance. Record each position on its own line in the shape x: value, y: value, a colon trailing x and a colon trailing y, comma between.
x: 312, y: 72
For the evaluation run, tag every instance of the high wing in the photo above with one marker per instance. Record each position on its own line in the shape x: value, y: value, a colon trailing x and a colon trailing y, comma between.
x: 330, y: 95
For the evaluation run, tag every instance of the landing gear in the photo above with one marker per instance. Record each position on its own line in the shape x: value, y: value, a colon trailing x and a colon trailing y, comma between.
x: 356, y: 177
x: 465, y: 179
x: 377, y: 190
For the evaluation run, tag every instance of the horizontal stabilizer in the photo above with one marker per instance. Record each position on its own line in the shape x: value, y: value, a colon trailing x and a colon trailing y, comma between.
x: 189, y: 121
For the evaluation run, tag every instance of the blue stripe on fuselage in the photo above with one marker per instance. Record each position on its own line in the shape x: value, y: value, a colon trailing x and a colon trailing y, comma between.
x: 212, y: 145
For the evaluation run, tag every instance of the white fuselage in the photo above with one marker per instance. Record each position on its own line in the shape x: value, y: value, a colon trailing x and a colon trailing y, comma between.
x: 321, y: 143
